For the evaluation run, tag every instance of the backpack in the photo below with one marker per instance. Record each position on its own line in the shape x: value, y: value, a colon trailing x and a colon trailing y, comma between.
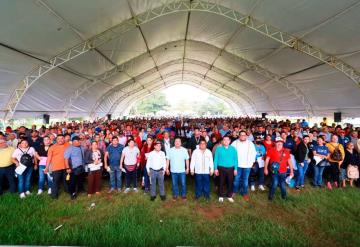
x: 26, y: 159
x: 336, y: 155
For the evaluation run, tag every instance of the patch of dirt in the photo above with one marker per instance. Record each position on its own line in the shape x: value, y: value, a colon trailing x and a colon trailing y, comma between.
x: 65, y: 218
x: 211, y: 212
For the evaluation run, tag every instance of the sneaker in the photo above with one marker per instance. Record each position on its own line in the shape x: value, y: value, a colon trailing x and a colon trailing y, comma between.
x: 221, y: 199
x: 22, y: 195
x: 73, y: 196
x: 135, y: 190
x: 184, y: 198
x: 127, y: 190
x: 297, y: 188
x: 152, y: 198
x: 110, y: 191
x: 230, y: 199
x: 329, y: 185
x: 246, y: 198
x: 40, y: 192
x: 119, y: 190
x: 28, y: 193
x: 163, y: 198
x: 303, y: 186
x: 252, y: 187
x: 262, y: 188
x: 336, y: 184
x: 49, y: 191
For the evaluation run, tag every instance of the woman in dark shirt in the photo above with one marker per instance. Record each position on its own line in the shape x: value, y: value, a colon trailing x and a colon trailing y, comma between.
x: 41, y: 157
x: 94, y: 160
x: 351, y: 158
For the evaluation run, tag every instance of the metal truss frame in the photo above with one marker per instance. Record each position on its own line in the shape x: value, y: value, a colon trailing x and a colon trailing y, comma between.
x: 174, y: 7
x: 120, y: 88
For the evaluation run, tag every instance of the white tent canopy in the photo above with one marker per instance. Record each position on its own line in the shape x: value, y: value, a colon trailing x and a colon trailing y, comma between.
x: 90, y: 58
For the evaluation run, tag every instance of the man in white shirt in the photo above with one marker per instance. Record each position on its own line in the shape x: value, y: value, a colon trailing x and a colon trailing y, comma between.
x: 155, y: 166
x: 246, y: 157
x: 202, y: 165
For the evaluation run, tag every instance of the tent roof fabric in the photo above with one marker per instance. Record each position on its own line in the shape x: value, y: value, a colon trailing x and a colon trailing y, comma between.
x: 90, y: 58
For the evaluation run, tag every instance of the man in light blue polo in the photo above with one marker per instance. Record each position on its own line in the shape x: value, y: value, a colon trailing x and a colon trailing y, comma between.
x: 178, y: 162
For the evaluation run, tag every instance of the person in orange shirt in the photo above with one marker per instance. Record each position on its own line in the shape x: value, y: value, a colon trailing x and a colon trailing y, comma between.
x: 337, y: 155
x: 56, y: 166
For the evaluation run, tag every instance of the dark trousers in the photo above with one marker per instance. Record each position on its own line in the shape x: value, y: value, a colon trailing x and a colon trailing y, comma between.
x: 58, y: 177
x: 202, y: 185
x: 278, y: 179
x: 226, y: 178
x: 9, y: 173
x: 331, y: 173
x: 76, y: 182
x: 131, y: 177
x: 94, y: 182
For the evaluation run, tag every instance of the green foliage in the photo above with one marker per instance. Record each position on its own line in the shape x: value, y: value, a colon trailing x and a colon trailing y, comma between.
x: 151, y: 104
x: 312, y: 217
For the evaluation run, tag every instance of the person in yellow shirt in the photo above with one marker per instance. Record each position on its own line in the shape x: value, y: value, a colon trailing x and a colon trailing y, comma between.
x: 337, y: 155
x: 6, y: 165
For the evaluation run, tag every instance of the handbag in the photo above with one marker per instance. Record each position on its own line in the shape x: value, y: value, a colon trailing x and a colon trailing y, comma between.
x: 275, y: 166
x: 352, y: 172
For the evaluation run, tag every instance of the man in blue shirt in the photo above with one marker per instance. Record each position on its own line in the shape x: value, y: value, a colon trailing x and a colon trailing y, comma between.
x: 74, y: 158
x: 178, y: 161
x: 112, y: 163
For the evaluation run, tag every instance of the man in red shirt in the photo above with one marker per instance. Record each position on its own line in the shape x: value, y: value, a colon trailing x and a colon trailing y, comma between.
x: 280, y: 155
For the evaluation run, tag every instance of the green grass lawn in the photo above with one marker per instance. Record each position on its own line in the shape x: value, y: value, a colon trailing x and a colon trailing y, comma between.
x: 313, y: 217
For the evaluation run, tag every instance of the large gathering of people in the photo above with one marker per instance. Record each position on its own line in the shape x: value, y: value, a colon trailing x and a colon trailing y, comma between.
x: 231, y: 156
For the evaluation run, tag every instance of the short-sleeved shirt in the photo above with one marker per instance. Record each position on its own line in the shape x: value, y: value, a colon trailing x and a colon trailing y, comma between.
x: 322, y: 150
x: 131, y: 155
x: 19, y: 152
x: 115, y: 154
x: 177, y: 158
x: 275, y: 156
x: 5, y: 156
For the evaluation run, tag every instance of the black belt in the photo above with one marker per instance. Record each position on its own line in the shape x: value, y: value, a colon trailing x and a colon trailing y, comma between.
x: 157, y: 170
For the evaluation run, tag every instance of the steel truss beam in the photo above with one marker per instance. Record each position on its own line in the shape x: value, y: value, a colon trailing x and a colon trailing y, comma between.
x: 228, y: 75
x: 138, y: 94
x: 211, y: 81
x: 174, y: 7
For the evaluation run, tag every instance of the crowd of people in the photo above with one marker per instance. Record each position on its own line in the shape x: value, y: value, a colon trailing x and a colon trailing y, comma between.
x: 231, y: 155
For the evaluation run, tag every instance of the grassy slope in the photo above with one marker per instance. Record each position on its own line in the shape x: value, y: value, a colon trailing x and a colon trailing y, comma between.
x: 311, y: 218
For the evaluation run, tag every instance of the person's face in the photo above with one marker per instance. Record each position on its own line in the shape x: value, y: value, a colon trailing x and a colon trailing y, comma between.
x: 60, y: 140
x: 279, y: 145
x: 226, y: 141
x: 47, y: 141
x: 131, y: 143
x: 149, y: 141
x: 202, y: 145
x: 283, y: 136
x: 177, y: 143
x: 350, y: 146
x: 34, y: 134
x: 76, y: 143
x: 354, y: 134
x: 2, y: 142
x: 94, y: 146
x: 243, y: 136
x: 197, y: 132
x: 157, y: 147
x: 268, y: 138
x: 24, y: 144
x: 320, y: 141
x: 306, y: 140
x: 334, y: 139
x: 97, y: 138
x: 166, y: 135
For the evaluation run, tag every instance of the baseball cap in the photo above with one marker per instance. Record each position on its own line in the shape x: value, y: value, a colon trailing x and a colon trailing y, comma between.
x: 279, y: 139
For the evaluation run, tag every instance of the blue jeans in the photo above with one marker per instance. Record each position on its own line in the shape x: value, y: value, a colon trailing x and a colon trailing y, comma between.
x: 257, y: 173
x: 176, y: 178
x: 278, y: 179
x: 318, y: 173
x: 242, y: 180
x: 42, y: 177
x: 24, y: 180
x: 202, y: 185
x: 115, y: 177
x: 146, y: 180
x: 301, y: 173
